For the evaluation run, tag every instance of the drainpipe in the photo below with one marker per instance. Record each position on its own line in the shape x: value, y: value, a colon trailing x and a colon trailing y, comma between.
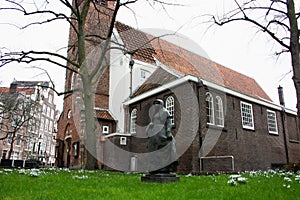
x: 283, y: 118
x: 131, y: 63
x: 198, y: 88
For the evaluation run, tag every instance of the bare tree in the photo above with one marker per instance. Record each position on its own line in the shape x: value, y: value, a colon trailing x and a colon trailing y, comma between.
x: 276, y: 18
x: 17, y: 114
x: 83, y: 39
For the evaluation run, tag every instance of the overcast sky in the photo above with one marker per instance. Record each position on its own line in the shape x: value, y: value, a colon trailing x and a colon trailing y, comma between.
x: 236, y: 46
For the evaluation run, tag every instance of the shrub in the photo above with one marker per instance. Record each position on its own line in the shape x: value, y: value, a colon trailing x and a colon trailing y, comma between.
x: 295, y: 167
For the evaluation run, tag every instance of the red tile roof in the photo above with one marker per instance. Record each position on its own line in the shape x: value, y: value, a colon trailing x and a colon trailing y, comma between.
x: 184, y: 62
x: 136, y: 42
x: 28, y: 91
x: 103, y: 114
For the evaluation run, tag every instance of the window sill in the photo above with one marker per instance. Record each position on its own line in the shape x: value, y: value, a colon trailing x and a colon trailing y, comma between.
x: 215, y: 127
x: 273, y: 134
x: 295, y: 141
x: 249, y: 129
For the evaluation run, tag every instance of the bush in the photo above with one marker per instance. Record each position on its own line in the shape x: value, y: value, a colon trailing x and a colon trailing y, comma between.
x: 295, y: 167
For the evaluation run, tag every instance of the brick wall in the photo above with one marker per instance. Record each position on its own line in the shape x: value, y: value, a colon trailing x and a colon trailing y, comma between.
x: 251, y: 149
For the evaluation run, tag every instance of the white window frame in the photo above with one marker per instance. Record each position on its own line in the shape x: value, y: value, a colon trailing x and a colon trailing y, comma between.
x: 219, y: 112
x: 246, y: 123
x: 274, y: 122
x: 133, y: 117
x: 123, y: 140
x: 170, y: 106
x: 105, y: 129
x: 50, y: 99
x: 209, y: 105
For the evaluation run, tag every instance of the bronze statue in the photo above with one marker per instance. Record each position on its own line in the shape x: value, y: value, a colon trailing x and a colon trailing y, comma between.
x: 162, y: 156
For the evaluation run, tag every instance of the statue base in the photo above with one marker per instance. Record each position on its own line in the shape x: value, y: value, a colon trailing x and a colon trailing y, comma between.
x: 160, y: 178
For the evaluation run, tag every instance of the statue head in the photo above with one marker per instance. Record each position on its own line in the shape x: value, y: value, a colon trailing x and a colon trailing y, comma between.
x: 158, y: 101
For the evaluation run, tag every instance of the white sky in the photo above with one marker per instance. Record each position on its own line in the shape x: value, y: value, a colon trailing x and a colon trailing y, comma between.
x: 237, y: 46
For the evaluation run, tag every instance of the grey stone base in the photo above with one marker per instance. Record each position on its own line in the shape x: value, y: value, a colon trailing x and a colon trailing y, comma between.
x: 160, y: 178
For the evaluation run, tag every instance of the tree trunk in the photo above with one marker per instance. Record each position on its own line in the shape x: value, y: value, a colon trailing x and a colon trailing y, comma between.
x: 90, y: 131
x: 294, y: 48
x: 11, y: 147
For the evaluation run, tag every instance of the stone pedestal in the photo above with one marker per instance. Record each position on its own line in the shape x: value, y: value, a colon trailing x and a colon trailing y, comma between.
x: 160, y: 178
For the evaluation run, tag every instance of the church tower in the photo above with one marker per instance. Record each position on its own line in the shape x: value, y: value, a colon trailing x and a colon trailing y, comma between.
x: 70, y: 149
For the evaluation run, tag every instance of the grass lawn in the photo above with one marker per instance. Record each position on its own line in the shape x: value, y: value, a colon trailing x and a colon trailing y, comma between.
x: 79, y: 184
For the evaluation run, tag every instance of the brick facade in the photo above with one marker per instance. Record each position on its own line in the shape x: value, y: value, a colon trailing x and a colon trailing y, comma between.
x: 235, y: 146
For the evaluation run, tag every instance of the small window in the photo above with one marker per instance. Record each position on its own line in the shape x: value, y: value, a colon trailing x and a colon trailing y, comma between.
x: 76, y: 149
x: 247, y: 116
x: 48, y: 111
x: 69, y: 114
x: 44, y: 108
x: 73, y: 76
x: 46, y: 125
x: 143, y: 74
x: 50, y: 126
x: 50, y: 99
x: 133, y: 121
x: 272, y: 122
x: 105, y: 129
x: 170, y: 108
x: 209, y: 108
x: 18, y: 140
x: 123, y: 140
x: 42, y: 124
x: 4, y: 153
x: 219, y: 112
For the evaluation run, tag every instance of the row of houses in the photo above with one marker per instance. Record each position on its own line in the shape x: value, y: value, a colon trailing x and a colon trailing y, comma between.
x: 28, y: 127
x: 222, y: 120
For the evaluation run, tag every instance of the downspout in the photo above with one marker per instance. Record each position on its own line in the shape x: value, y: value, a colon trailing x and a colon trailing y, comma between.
x: 283, y: 118
x: 131, y: 63
x: 199, y: 85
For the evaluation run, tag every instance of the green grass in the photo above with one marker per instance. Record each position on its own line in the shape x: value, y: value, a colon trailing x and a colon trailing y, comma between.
x: 64, y: 184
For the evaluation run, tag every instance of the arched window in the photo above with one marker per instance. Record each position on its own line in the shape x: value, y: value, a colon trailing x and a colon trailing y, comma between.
x: 133, y: 121
x: 219, y: 112
x: 209, y: 108
x: 73, y: 80
x: 170, y: 108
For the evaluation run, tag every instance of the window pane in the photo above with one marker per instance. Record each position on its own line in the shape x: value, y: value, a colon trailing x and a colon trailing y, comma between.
x: 247, y: 115
x: 133, y: 121
x: 209, y: 109
x: 170, y: 108
x: 219, y: 112
x: 272, y: 122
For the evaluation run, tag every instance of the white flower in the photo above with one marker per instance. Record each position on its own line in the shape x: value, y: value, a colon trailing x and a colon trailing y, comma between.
x: 242, y: 180
x: 80, y: 177
x: 22, y: 171
x: 189, y: 175
x: 232, y: 182
x: 287, y: 179
x: 235, y: 176
x: 297, y: 178
x: 8, y: 170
